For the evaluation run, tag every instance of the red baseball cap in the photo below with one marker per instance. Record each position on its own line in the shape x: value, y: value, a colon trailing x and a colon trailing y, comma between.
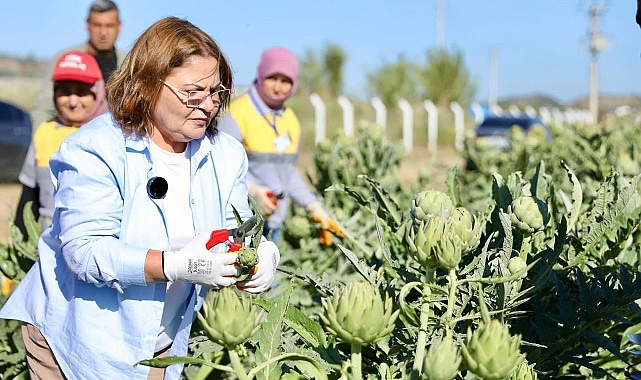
x: 77, y: 66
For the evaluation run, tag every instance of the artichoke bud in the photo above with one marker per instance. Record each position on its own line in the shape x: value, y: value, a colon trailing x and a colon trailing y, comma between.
x: 229, y: 318
x: 516, y: 264
x: 448, y: 250
x: 298, y: 226
x: 358, y: 314
x: 467, y: 228
x: 490, y: 352
x: 324, y: 146
x: 529, y: 214
x: 524, y: 372
x: 431, y: 202
x: 422, y: 238
x: 442, y: 360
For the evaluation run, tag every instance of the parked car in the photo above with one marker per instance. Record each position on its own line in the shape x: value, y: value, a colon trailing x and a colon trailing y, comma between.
x: 495, y: 130
x: 15, y: 137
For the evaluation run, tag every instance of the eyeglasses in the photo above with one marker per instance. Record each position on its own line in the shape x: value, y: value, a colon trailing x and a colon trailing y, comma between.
x: 197, y: 97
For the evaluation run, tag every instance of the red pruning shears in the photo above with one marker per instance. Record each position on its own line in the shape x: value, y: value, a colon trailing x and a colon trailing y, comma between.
x: 248, y: 229
x: 275, y: 197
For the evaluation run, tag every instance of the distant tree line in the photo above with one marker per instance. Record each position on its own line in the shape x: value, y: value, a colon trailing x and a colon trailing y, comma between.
x: 443, y: 78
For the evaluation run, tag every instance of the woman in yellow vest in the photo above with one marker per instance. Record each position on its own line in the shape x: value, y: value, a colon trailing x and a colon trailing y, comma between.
x: 79, y: 96
x: 270, y: 133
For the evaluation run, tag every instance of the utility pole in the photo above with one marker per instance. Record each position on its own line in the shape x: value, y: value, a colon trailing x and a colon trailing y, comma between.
x: 597, y: 45
x: 493, y: 80
x: 440, y: 24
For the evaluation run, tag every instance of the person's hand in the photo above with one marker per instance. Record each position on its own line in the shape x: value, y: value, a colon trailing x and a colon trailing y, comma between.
x: 328, y: 225
x: 194, y: 263
x: 261, y: 280
x: 264, y: 197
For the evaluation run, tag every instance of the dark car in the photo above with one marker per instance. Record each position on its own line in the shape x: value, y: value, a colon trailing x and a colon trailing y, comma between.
x: 495, y: 130
x: 15, y: 137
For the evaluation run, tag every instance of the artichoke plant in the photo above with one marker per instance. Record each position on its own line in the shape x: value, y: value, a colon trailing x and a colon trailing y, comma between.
x: 230, y: 318
x: 442, y: 360
x: 529, y: 214
x: 490, y: 352
x: 358, y: 314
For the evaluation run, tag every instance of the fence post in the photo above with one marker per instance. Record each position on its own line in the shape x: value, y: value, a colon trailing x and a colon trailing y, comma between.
x: 530, y: 111
x: 432, y: 126
x: 459, y: 125
x: 514, y: 110
x: 381, y: 111
x: 320, y: 117
x: 478, y: 112
x: 408, y: 123
x: 348, y: 115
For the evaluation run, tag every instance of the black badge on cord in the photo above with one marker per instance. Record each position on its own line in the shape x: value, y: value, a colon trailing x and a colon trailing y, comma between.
x: 157, y: 187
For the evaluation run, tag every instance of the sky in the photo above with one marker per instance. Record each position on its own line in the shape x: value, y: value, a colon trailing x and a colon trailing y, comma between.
x: 539, y: 46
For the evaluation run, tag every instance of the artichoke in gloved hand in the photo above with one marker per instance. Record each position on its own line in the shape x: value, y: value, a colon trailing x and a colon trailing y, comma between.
x: 247, y: 259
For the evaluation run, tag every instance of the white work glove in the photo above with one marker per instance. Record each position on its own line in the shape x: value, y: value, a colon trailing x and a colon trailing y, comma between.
x: 194, y: 263
x: 268, y: 259
x: 261, y: 194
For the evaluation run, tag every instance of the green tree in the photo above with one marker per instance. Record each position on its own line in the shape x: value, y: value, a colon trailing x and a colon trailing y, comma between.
x: 446, y: 79
x: 334, y: 59
x: 394, y: 81
x: 311, y: 73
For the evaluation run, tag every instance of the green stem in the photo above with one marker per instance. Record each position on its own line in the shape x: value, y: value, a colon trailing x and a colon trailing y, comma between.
x: 422, y: 333
x: 451, y: 299
x: 524, y: 254
x: 357, y: 373
x: 237, y: 365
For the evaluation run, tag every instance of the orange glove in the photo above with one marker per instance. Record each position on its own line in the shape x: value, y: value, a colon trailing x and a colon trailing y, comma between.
x: 328, y: 225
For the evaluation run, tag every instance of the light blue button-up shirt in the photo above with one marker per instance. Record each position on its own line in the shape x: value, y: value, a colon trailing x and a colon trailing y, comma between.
x: 87, y: 292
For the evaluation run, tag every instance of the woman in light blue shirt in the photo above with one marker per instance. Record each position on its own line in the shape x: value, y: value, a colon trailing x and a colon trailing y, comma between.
x: 123, y: 268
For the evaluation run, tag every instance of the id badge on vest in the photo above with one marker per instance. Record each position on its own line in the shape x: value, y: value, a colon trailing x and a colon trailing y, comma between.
x: 282, y: 142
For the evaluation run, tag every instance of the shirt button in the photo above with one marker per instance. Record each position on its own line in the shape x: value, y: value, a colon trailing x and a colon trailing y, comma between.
x: 192, y: 201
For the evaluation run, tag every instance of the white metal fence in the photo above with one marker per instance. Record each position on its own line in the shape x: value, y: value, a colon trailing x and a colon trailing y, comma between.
x: 477, y: 111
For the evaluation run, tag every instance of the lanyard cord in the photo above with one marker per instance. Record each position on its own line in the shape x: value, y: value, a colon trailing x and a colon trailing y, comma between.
x: 257, y: 106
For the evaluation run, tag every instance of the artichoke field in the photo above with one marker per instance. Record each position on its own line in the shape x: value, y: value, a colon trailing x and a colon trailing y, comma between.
x: 525, y: 268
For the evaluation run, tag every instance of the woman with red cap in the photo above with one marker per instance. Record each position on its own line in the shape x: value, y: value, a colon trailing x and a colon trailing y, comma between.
x: 79, y: 96
x: 270, y: 133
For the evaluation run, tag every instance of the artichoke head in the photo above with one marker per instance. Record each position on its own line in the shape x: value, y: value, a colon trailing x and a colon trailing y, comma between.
x: 529, y: 214
x: 516, y: 264
x: 442, y: 360
x: 524, y: 372
x: 229, y: 318
x: 422, y: 239
x: 431, y: 202
x: 298, y: 226
x: 490, y: 352
x: 467, y: 228
x: 357, y: 314
x: 448, y: 250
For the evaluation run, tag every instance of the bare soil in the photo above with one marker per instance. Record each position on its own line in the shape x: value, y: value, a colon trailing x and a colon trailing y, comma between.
x: 416, y: 161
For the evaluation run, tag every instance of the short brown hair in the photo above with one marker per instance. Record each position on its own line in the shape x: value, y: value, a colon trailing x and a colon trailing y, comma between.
x: 134, y: 89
